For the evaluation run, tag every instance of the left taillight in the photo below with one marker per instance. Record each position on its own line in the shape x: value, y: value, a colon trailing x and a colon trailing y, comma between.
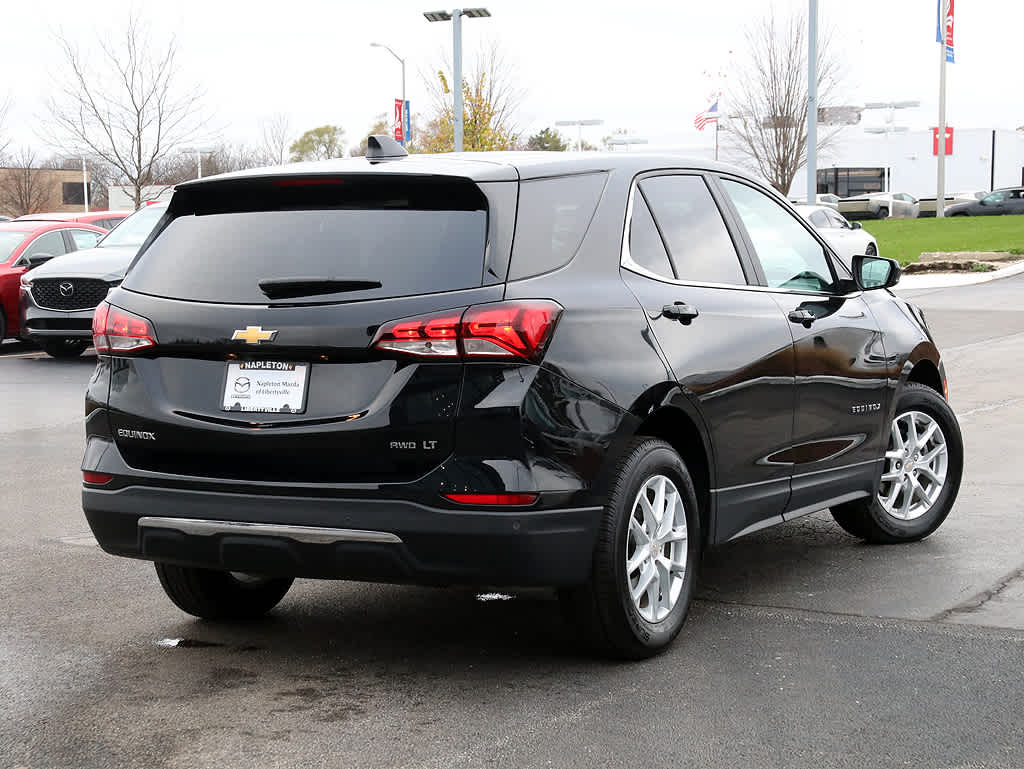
x: 117, y: 332
x: 516, y: 329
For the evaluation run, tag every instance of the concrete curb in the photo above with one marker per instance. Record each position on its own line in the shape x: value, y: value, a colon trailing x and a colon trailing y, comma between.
x: 945, y: 279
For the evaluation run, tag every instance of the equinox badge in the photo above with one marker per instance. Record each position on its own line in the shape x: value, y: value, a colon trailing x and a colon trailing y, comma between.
x: 253, y: 335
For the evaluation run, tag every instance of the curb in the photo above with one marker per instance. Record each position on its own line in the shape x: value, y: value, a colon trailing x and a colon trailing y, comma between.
x: 948, y: 279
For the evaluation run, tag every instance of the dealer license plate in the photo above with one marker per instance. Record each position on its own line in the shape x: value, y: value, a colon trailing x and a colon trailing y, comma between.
x: 266, y: 387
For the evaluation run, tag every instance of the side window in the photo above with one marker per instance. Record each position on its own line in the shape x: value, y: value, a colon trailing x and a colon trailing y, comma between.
x: 837, y: 221
x: 693, y: 229
x: 789, y: 254
x: 819, y: 219
x: 84, y: 238
x: 51, y: 244
x: 645, y: 245
x: 553, y: 217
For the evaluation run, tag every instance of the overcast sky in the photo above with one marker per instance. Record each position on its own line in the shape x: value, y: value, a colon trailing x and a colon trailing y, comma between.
x: 637, y: 65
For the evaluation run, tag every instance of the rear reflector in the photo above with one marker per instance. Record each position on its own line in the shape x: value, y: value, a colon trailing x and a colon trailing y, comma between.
x: 97, y: 478
x: 492, y: 499
x: 119, y: 332
x: 517, y: 329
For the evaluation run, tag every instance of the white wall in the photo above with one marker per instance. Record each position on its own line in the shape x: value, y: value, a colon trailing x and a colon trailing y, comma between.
x: 914, y: 166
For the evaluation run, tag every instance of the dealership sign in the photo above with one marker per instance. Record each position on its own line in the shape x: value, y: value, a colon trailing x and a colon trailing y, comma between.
x: 949, y: 141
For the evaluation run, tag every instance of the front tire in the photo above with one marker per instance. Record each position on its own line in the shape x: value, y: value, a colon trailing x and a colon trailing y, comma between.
x: 871, y: 250
x: 64, y: 347
x: 920, y: 477
x: 883, y: 213
x: 211, y: 594
x: 644, y: 570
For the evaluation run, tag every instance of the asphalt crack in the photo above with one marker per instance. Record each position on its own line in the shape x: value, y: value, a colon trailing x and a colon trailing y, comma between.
x: 978, y: 600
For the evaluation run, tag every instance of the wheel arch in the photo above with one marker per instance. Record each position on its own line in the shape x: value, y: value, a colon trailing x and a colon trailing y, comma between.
x: 675, y: 420
x: 927, y: 373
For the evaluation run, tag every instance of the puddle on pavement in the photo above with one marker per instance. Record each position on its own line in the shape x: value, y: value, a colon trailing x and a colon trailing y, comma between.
x: 186, y: 643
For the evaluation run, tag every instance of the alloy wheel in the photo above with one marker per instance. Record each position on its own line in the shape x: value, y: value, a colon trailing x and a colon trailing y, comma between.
x: 656, y: 548
x: 915, y: 466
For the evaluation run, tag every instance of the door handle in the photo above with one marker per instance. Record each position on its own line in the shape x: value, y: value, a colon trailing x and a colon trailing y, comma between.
x: 806, y: 317
x: 680, y: 311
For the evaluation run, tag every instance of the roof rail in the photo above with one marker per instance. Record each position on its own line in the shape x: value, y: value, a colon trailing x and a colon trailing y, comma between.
x: 382, y: 147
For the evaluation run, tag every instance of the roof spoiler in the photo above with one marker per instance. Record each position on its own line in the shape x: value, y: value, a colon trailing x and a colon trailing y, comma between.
x: 382, y: 147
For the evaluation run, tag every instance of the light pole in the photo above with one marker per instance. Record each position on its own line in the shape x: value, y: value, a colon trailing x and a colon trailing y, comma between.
x: 402, y: 62
x: 455, y: 17
x: 812, y: 103
x: 579, y: 129
x: 627, y: 140
x: 199, y: 151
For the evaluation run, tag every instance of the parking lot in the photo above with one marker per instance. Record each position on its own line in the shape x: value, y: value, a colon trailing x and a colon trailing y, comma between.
x: 805, y: 647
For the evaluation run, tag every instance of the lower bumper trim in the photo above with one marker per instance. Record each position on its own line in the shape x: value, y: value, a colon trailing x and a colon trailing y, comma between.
x: 316, y: 535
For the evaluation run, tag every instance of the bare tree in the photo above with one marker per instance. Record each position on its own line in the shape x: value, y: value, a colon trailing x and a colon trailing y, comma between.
x: 130, y: 111
x: 276, y: 132
x: 26, y: 184
x: 491, y: 100
x: 767, y: 105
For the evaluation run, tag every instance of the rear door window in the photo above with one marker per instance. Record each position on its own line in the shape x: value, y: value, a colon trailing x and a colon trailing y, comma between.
x: 84, y: 238
x: 693, y: 229
x: 222, y: 256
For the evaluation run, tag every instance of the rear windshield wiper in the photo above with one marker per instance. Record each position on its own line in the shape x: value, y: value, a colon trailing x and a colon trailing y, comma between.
x: 289, y: 288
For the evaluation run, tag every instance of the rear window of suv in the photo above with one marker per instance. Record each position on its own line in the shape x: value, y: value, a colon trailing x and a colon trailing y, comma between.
x: 399, y: 240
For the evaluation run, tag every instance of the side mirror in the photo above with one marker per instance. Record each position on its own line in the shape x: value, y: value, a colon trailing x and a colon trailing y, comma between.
x: 873, y: 272
x: 37, y: 259
x: 855, y: 225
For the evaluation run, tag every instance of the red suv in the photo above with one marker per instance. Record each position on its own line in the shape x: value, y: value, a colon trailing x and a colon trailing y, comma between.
x: 25, y: 244
x: 108, y: 220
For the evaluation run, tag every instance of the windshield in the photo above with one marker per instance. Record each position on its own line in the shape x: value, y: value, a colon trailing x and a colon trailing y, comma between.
x: 134, y: 229
x: 9, y: 242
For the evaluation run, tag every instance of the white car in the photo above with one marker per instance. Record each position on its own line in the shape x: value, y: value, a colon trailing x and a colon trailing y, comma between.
x: 845, y: 237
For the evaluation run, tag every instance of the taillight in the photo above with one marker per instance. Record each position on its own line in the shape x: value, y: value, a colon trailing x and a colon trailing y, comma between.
x: 116, y: 331
x: 517, y: 329
x: 493, y: 499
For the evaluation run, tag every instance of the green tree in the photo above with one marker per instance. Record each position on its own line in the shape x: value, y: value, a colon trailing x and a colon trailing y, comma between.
x: 323, y: 143
x: 548, y: 140
x: 380, y: 126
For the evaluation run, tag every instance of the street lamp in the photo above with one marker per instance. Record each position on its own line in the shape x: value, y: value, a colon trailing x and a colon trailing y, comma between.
x: 579, y: 129
x: 200, y: 151
x: 402, y: 62
x: 455, y: 17
x: 627, y: 140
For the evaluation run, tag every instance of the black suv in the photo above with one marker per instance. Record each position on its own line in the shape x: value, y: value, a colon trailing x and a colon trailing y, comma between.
x: 501, y: 369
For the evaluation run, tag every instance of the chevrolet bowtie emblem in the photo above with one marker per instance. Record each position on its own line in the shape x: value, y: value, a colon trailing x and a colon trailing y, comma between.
x: 253, y: 335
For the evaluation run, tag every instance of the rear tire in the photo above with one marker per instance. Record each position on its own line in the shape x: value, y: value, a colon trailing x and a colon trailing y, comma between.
x: 63, y: 348
x: 905, y: 509
x: 638, y: 546
x: 213, y: 594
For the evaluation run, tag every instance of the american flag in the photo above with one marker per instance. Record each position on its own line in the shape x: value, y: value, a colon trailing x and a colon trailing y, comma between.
x: 710, y: 115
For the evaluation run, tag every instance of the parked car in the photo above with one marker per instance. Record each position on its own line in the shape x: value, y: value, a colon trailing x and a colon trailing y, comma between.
x: 446, y: 369
x: 57, y: 300
x: 27, y: 244
x: 5, y: 219
x: 880, y: 205
x: 829, y: 200
x: 1009, y: 200
x: 928, y: 204
x: 105, y: 219
x: 847, y: 238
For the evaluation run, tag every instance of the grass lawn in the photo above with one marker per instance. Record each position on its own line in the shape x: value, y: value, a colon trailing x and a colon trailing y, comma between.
x: 907, y: 239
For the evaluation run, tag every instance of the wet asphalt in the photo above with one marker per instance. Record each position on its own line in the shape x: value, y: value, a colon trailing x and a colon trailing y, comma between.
x: 805, y: 647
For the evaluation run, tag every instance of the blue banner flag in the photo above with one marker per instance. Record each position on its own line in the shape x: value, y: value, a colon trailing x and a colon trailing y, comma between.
x: 948, y: 28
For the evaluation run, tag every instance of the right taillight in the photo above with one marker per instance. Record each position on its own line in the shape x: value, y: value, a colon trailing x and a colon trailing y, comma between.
x: 117, y: 332
x: 516, y: 329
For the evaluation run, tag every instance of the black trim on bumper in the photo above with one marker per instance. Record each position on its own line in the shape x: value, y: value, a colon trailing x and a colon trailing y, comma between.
x: 438, y: 546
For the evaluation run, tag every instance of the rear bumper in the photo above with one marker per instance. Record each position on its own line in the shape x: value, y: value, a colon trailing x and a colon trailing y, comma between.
x: 381, y: 540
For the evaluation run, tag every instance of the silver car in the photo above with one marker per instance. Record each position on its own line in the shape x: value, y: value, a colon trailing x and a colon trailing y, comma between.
x: 880, y: 205
x: 57, y: 299
x: 846, y: 238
